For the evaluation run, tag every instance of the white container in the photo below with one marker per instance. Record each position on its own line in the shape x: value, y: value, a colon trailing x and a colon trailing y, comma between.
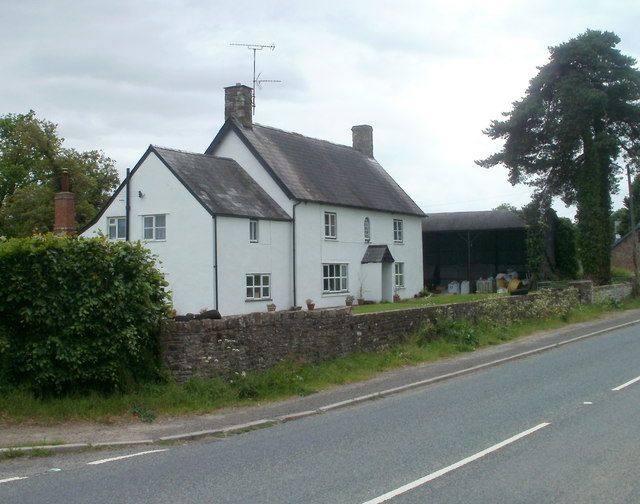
x: 464, y: 287
x: 454, y: 288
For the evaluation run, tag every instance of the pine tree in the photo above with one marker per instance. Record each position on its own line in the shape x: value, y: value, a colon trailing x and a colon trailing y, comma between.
x: 579, y: 114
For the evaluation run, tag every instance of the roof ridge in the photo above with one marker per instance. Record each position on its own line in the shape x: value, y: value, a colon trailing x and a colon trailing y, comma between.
x: 472, y: 212
x: 182, y: 151
x: 179, y: 150
x: 308, y: 137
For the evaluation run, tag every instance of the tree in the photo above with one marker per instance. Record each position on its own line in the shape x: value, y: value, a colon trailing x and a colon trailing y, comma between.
x: 622, y: 216
x: 565, y: 244
x: 31, y: 159
x: 579, y: 114
x: 507, y: 206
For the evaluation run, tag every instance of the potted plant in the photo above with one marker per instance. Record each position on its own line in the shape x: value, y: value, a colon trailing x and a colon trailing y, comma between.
x: 310, y: 304
x: 349, y: 300
x: 271, y: 307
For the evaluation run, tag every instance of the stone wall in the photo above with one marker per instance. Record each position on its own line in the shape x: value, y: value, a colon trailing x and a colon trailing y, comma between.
x: 590, y: 293
x: 260, y: 341
x: 616, y: 291
x: 585, y: 290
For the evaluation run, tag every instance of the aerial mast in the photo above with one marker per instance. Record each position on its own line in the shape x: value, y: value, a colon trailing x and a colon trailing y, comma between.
x: 256, y: 78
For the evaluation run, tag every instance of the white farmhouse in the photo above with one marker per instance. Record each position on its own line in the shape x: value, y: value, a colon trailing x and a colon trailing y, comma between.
x: 266, y: 216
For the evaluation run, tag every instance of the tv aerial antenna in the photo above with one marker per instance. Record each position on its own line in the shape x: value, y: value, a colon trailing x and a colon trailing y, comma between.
x: 257, y: 81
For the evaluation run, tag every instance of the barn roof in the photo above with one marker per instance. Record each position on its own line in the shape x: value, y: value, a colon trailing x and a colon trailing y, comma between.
x: 472, y: 221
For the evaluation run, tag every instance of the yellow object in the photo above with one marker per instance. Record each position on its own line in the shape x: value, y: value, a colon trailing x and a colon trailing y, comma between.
x: 501, y: 283
x: 514, y: 285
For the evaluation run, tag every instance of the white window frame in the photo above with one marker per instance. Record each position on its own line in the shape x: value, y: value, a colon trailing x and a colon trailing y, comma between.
x: 330, y: 226
x: 254, y: 229
x: 154, y: 227
x: 257, y: 286
x: 367, y: 230
x: 335, y: 278
x: 398, y: 231
x: 398, y: 275
x: 119, y: 227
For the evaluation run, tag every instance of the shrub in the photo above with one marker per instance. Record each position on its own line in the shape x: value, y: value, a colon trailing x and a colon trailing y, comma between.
x: 460, y: 332
x: 78, y: 314
x: 621, y: 274
x: 493, y: 314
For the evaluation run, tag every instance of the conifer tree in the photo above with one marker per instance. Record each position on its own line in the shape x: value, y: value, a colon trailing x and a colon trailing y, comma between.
x: 580, y: 113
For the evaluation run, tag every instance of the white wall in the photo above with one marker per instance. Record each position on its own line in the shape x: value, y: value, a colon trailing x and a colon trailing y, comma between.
x: 186, y: 255
x: 410, y: 252
x: 237, y: 257
x: 232, y: 147
x: 313, y: 250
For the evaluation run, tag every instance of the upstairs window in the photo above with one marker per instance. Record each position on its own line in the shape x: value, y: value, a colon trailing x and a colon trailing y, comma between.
x: 258, y: 286
x: 154, y: 227
x: 117, y: 228
x: 330, y: 225
x: 253, y: 230
x: 367, y: 230
x: 397, y: 231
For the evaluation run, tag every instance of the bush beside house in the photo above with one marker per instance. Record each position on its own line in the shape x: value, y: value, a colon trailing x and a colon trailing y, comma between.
x: 78, y: 314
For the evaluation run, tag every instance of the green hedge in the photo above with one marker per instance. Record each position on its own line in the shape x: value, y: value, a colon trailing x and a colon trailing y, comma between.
x: 78, y: 314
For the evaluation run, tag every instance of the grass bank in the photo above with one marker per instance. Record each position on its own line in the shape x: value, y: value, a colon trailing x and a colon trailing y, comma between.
x: 431, y: 343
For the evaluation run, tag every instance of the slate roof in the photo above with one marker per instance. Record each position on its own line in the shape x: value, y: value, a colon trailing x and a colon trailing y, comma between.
x: 472, y: 221
x: 624, y: 238
x: 377, y: 254
x: 221, y: 185
x: 318, y: 171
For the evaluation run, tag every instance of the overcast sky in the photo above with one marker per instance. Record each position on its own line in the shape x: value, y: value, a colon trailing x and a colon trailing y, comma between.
x: 118, y: 75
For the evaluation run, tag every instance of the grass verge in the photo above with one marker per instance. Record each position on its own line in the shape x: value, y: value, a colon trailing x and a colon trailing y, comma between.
x: 292, y: 378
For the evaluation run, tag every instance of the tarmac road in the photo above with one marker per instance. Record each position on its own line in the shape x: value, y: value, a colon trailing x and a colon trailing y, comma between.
x: 75, y: 436
x: 557, y: 426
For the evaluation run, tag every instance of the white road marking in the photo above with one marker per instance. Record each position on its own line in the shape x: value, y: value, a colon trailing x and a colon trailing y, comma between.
x: 453, y: 467
x: 630, y: 382
x: 13, y: 479
x: 104, y: 461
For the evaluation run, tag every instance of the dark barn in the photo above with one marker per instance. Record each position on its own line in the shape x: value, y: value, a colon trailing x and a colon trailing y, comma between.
x: 460, y: 246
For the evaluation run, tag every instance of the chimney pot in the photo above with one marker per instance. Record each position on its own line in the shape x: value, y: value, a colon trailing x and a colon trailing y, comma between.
x: 363, y: 139
x: 238, y: 104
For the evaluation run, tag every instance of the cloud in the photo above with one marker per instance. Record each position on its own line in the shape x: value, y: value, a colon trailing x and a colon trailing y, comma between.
x: 428, y: 76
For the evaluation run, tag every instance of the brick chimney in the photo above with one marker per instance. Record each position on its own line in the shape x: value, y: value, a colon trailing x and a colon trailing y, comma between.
x: 363, y: 139
x: 64, y: 207
x: 238, y: 104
